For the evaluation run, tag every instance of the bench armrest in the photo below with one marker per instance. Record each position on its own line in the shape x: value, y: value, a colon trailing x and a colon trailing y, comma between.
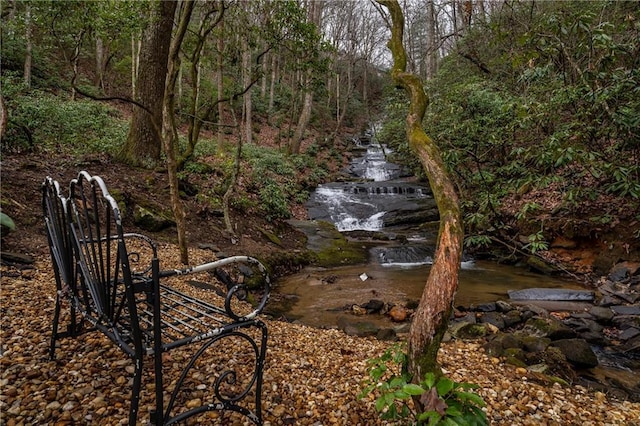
x: 241, y: 275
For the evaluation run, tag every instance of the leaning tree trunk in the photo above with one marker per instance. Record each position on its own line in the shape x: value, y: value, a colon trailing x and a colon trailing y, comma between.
x: 432, y: 316
x: 169, y: 132
x: 4, y: 117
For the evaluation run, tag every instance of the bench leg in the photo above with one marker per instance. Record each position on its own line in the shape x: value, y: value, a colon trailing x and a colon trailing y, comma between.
x: 54, y: 331
x: 135, y: 392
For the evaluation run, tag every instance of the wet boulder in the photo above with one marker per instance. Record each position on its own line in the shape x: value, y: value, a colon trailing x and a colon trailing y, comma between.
x: 387, y: 335
x: 357, y: 328
x: 577, y: 351
x: 468, y: 331
x: 494, y: 318
x: 548, y: 327
x: 601, y: 314
x: 552, y: 294
x: 535, y: 344
x: 554, y: 359
x: 373, y: 306
x: 512, y: 318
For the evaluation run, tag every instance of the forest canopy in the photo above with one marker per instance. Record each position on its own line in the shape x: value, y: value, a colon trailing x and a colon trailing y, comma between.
x: 535, y: 105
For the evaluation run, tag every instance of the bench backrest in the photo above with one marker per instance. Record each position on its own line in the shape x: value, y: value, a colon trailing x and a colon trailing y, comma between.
x: 105, y: 265
x: 54, y: 206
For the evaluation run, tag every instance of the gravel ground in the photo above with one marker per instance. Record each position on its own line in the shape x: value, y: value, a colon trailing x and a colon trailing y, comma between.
x: 312, y: 376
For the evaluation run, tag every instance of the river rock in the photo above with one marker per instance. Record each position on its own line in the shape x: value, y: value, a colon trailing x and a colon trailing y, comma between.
x: 515, y: 356
x: 509, y: 340
x: 548, y: 327
x: 553, y: 294
x: 357, y: 328
x: 624, y: 270
x: 512, y: 318
x: 373, y: 306
x: 626, y: 310
x: 555, y: 360
x: 471, y: 331
x: 629, y: 334
x: 577, y: 351
x: 535, y: 344
x: 617, y: 290
x: 494, y: 318
x: 601, y: 314
x: 583, y: 324
x: 503, y: 306
x: 398, y: 314
x: 387, y: 335
x: 540, y: 265
x: 484, y: 307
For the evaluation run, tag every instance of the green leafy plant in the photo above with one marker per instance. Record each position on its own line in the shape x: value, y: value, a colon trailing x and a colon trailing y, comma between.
x: 527, y: 209
x: 7, y: 222
x: 445, y: 401
x: 477, y: 241
x: 536, y: 243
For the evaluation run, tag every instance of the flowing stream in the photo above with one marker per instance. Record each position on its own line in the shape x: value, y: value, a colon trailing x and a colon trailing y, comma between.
x: 382, y: 198
x: 383, y: 207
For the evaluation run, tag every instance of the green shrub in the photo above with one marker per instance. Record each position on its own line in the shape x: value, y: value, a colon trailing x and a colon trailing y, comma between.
x: 274, y: 200
x: 446, y: 402
x: 41, y: 121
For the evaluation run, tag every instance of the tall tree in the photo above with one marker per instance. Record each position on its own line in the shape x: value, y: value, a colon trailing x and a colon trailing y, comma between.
x: 143, y: 144
x: 29, y: 45
x: 432, y: 315
x: 314, y: 13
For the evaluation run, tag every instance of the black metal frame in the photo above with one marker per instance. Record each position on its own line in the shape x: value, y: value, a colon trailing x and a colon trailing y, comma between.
x: 109, y: 285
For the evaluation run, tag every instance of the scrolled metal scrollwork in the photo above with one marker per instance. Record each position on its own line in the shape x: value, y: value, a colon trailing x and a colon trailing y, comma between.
x: 224, y: 397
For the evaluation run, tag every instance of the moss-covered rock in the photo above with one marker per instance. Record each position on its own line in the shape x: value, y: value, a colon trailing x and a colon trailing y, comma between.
x: 548, y: 327
x: 472, y: 331
x: 515, y: 356
x: 577, y: 351
x: 151, y: 221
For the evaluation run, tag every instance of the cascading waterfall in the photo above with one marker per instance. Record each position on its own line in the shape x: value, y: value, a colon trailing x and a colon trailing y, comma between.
x: 375, y: 200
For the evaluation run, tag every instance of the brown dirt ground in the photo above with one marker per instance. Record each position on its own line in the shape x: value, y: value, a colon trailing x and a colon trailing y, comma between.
x: 22, y: 176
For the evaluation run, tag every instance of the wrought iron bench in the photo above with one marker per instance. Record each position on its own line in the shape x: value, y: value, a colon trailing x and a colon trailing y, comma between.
x: 111, y: 282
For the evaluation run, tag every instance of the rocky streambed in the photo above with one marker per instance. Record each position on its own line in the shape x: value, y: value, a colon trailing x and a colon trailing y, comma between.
x: 590, y: 337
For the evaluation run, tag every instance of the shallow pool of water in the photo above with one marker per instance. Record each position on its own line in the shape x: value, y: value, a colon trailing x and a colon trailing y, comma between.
x: 321, y: 292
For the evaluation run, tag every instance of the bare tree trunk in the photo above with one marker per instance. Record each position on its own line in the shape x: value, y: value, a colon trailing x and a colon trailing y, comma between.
x: 101, y: 55
x: 432, y: 315
x: 314, y: 13
x: 272, y: 86
x: 220, y: 79
x: 303, y: 120
x: 135, y: 62
x: 247, y: 106
x: 28, y: 41
x: 263, y: 84
x: 432, y: 45
x: 234, y: 179
x: 4, y: 117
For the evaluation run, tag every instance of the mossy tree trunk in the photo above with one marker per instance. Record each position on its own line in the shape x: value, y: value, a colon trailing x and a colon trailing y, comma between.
x: 169, y: 126
x: 436, y: 304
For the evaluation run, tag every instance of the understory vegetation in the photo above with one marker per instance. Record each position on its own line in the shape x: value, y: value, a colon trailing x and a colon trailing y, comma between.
x: 537, y: 112
x: 273, y: 180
